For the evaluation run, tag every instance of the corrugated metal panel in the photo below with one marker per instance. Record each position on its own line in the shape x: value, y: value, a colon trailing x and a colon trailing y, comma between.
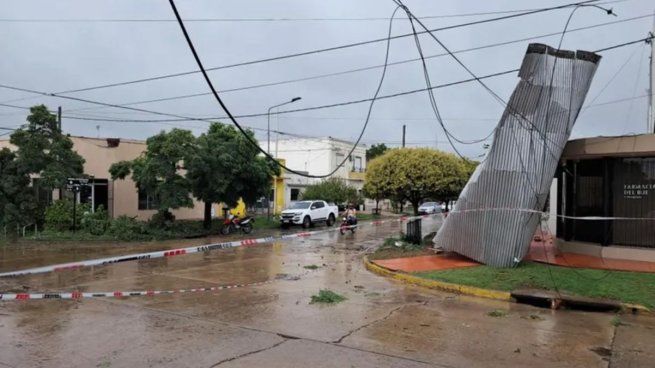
x: 522, y: 160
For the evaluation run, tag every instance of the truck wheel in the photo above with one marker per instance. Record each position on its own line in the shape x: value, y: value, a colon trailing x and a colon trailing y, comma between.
x: 330, y: 220
x: 306, y: 222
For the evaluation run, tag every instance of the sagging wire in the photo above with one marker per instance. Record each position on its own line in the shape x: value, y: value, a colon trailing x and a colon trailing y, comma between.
x: 316, y: 51
x: 433, y: 103
x: 509, y: 108
x: 608, y: 11
x: 254, y: 143
x: 546, y: 122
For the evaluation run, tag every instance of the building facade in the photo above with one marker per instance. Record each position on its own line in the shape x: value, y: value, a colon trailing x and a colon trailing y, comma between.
x: 316, y: 156
x: 610, y: 183
x: 118, y: 197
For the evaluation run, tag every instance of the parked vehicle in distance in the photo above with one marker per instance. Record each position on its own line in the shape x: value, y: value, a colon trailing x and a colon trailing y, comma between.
x: 233, y: 223
x: 428, y: 208
x: 307, y: 213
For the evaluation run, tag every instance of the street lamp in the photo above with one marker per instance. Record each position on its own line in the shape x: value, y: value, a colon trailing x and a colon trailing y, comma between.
x: 268, y: 145
x: 268, y: 135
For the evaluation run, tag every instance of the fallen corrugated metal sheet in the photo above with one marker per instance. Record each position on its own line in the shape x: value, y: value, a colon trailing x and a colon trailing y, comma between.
x: 520, y: 165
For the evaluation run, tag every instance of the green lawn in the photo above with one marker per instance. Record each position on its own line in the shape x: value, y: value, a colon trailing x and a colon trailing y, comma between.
x: 630, y: 287
x: 365, y: 216
x: 263, y: 222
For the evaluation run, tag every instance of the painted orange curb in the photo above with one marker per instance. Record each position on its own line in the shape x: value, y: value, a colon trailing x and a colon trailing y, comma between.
x: 439, y: 285
x: 465, y: 289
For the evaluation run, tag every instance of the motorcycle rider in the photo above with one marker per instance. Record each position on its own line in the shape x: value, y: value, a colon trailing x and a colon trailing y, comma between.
x: 351, y: 214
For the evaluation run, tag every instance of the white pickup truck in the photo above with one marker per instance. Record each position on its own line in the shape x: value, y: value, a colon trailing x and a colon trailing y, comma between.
x: 307, y: 213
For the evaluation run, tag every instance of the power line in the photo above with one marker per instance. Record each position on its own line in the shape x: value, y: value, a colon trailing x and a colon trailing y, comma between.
x: 181, y: 118
x: 270, y: 19
x: 237, y: 20
x: 483, y: 84
x: 611, y: 102
x: 254, y: 143
x: 161, y: 122
x: 356, y: 70
x: 316, y: 51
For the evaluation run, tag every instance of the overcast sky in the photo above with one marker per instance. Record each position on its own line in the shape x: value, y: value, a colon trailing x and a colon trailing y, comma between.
x: 59, y: 56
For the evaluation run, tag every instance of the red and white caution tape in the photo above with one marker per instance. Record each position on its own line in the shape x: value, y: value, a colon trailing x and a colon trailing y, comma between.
x: 182, y: 251
x: 119, y: 294
x: 527, y: 210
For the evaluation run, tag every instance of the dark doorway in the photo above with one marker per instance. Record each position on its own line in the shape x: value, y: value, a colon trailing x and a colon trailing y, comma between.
x: 96, y: 193
x: 100, y: 194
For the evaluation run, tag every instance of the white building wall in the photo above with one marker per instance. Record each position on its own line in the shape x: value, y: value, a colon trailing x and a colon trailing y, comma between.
x: 319, y: 156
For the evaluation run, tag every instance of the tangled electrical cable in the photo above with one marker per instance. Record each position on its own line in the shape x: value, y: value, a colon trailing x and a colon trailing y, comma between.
x: 545, y: 143
x: 433, y: 102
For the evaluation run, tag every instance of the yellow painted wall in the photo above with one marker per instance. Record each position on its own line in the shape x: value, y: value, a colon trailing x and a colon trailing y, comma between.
x: 278, y: 184
x: 279, y: 195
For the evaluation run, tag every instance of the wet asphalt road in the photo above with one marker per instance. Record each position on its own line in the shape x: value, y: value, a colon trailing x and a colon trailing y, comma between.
x: 381, y: 324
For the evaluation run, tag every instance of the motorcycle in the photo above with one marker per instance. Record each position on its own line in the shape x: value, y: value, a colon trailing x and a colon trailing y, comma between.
x: 233, y: 224
x: 347, y: 225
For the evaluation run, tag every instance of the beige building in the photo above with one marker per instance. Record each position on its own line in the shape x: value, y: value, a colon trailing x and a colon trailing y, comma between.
x: 119, y: 197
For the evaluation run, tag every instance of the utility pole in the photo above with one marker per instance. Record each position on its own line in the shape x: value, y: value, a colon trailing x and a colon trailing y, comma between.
x: 59, y: 118
x: 651, y: 100
x: 268, y: 150
x: 403, y: 135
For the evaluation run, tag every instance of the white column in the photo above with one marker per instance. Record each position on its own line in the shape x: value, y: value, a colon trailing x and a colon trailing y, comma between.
x: 552, y: 215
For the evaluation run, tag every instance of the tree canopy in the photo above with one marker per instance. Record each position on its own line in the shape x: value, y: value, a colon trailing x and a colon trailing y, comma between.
x: 226, y: 167
x: 158, y: 170
x: 375, y: 151
x: 17, y: 202
x: 333, y: 190
x: 414, y: 174
x: 43, y: 151
x: 220, y: 166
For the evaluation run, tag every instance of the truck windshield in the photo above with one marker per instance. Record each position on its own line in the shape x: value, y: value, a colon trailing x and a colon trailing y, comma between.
x: 300, y: 205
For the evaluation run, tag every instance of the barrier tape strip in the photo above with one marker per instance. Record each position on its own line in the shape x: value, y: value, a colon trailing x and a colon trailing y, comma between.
x: 526, y: 210
x: 248, y: 242
x: 119, y: 294
x: 188, y: 250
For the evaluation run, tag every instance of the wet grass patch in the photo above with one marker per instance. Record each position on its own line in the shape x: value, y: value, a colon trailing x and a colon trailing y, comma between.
x: 497, y: 313
x: 398, y: 248
x: 311, y: 267
x: 628, y: 287
x: 616, y: 321
x: 263, y: 222
x: 326, y: 296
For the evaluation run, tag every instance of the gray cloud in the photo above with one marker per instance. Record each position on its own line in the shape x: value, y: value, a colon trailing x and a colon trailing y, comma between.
x: 59, y: 56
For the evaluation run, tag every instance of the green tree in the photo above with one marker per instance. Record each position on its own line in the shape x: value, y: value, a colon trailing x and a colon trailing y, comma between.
x: 17, y: 202
x: 158, y: 170
x: 452, y: 191
x: 44, y: 151
x: 375, y: 151
x: 226, y: 167
x: 374, y: 191
x: 46, y: 154
x: 414, y: 174
x: 332, y: 190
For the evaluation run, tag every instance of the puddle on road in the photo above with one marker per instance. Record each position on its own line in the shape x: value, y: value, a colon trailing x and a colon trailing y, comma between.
x: 27, y: 254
